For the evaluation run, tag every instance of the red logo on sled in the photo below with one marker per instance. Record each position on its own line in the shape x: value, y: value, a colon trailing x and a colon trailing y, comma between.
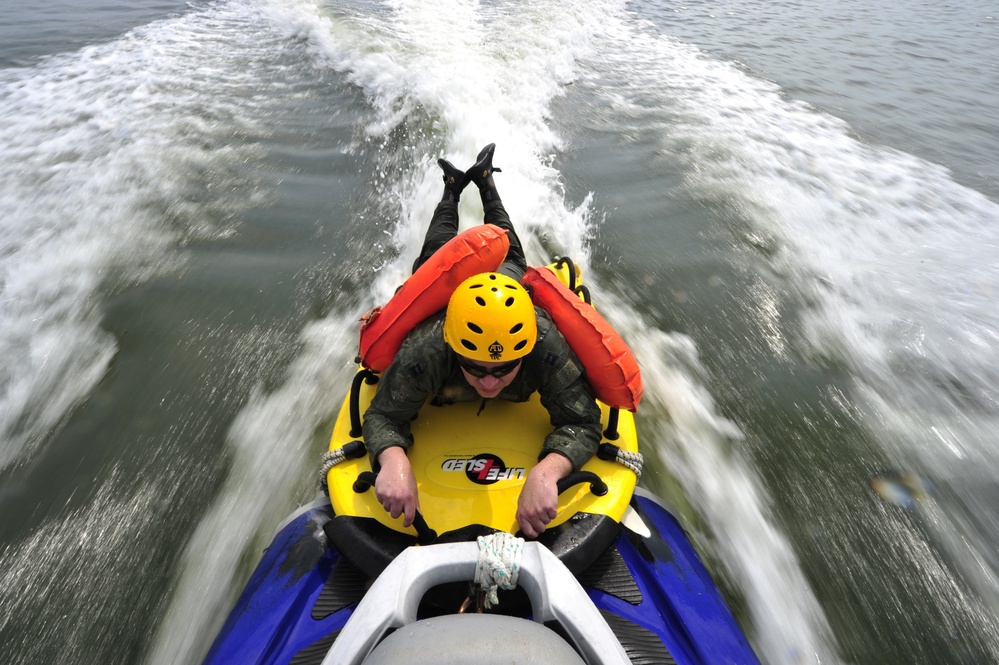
x: 484, y: 469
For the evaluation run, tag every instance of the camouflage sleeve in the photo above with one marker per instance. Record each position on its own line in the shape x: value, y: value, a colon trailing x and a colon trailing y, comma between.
x: 415, y: 374
x: 569, y: 399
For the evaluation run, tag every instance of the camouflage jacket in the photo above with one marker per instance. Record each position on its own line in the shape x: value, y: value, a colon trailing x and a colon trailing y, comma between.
x: 426, y: 367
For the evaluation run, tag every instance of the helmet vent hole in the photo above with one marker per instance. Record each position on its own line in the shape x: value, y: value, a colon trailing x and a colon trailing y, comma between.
x: 519, y: 345
x: 474, y: 328
x: 476, y: 286
x: 468, y: 345
x: 509, y: 301
x: 516, y: 329
x: 480, y: 301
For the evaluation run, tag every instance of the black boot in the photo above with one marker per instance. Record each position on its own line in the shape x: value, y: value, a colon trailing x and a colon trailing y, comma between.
x: 455, y: 180
x: 481, y: 174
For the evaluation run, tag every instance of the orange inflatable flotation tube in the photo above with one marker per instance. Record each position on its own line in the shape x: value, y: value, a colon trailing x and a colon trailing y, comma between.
x: 611, y: 367
x: 476, y: 250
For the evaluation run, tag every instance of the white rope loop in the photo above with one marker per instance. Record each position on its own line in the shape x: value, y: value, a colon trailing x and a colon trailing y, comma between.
x: 330, y: 459
x: 634, y: 461
x: 498, y: 565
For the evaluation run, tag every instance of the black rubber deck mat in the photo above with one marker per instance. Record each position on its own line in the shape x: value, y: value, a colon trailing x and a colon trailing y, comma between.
x: 642, y: 645
x: 369, y: 544
x: 346, y: 585
x: 611, y: 575
x: 315, y: 653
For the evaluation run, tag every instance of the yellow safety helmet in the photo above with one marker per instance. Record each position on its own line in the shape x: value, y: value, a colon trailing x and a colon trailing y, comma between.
x: 490, y: 318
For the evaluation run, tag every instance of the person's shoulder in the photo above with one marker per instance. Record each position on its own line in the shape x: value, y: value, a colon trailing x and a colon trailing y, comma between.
x: 548, y: 332
x: 431, y: 327
x: 545, y: 323
x: 424, y: 342
x: 551, y: 351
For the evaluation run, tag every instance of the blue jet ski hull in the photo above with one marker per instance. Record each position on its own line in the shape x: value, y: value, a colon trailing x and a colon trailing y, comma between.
x: 650, y: 587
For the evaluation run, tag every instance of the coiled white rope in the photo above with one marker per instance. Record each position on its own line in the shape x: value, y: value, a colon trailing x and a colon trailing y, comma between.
x: 634, y: 461
x: 498, y: 565
x: 330, y: 459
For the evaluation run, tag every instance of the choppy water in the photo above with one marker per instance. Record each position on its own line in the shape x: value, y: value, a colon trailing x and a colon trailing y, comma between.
x: 789, y: 209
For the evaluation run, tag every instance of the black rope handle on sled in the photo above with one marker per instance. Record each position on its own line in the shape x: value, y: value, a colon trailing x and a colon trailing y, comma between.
x: 355, y: 399
x: 424, y: 534
x: 566, y: 261
x: 578, y: 289
x: 597, y: 486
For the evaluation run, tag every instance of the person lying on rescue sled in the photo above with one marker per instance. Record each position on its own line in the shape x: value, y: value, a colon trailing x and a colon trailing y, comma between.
x: 491, y: 342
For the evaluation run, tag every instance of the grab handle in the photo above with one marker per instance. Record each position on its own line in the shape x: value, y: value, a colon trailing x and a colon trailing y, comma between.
x: 424, y: 534
x: 597, y: 485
